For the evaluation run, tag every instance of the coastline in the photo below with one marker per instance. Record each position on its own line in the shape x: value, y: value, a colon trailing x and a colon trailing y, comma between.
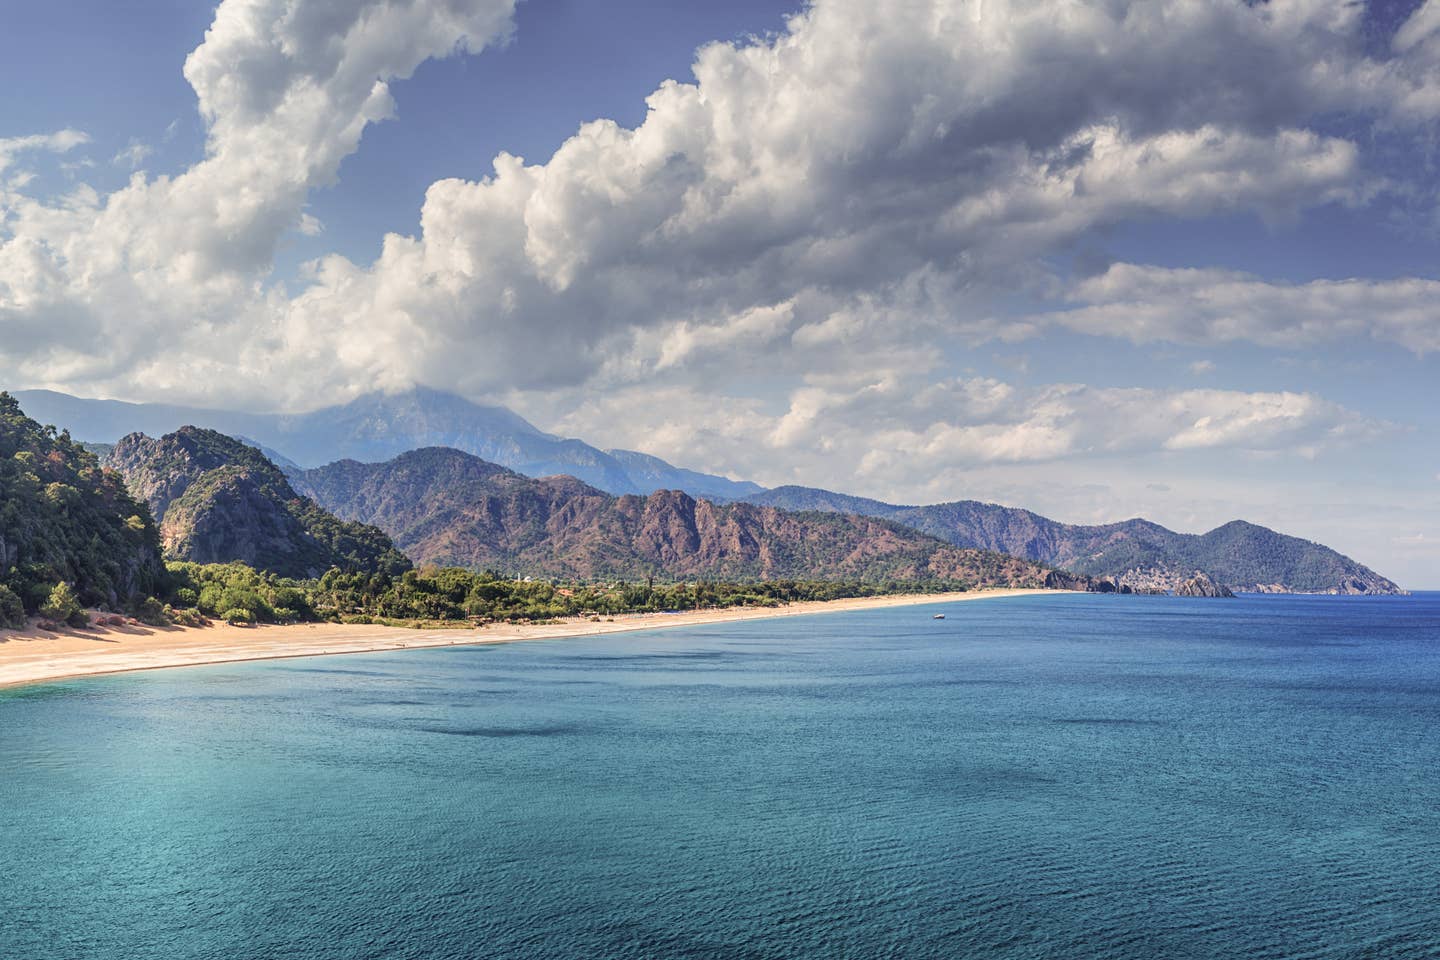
x: 31, y: 657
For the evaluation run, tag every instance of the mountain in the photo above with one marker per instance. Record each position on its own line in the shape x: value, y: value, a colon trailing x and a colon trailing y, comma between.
x: 378, y: 426
x: 218, y: 500
x: 64, y: 519
x: 448, y: 507
x: 649, y: 473
x: 1136, y: 553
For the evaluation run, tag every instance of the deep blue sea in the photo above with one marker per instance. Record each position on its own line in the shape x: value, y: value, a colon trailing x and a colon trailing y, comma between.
x: 1060, y: 777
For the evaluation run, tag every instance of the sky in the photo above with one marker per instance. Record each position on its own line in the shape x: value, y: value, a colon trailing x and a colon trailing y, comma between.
x: 1173, y: 259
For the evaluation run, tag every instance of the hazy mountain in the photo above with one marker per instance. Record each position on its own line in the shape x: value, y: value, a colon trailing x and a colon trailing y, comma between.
x: 218, y: 500
x: 651, y: 473
x: 64, y: 519
x: 379, y: 426
x: 448, y: 507
x: 1138, y: 553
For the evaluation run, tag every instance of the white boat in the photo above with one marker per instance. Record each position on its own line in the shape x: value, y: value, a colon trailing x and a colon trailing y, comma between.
x: 938, y: 616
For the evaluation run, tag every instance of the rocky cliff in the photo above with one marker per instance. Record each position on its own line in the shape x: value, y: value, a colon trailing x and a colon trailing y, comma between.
x: 1202, y: 586
x: 218, y: 500
x: 444, y: 506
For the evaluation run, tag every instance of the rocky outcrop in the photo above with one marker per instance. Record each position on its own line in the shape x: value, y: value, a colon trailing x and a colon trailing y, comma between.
x: 218, y: 500
x: 1202, y: 586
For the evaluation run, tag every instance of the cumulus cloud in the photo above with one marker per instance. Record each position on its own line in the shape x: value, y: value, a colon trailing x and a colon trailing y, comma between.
x: 867, y: 169
x: 61, y: 141
x: 92, y: 284
x: 896, y: 432
x: 829, y: 167
x: 1146, y: 303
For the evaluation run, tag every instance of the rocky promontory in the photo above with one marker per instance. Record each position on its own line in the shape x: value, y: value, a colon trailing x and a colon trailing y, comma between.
x: 1201, y: 585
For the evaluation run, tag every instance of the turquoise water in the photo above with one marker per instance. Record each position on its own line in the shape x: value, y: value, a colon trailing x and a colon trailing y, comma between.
x: 1069, y: 776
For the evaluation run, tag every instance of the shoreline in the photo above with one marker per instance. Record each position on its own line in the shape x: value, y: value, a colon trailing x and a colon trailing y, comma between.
x: 28, y: 657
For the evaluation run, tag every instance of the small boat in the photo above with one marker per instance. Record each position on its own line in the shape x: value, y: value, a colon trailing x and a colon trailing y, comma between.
x: 938, y: 616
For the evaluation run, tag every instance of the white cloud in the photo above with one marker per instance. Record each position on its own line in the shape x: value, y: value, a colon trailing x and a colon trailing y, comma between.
x: 1201, y: 306
x: 1422, y: 27
x: 134, y: 154
x: 91, y: 284
x: 61, y: 141
x: 890, y: 433
x: 865, y: 171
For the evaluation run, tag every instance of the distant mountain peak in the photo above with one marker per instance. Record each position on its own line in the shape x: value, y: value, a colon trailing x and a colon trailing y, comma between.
x: 446, y: 507
x: 1137, y: 553
x: 378, y: 426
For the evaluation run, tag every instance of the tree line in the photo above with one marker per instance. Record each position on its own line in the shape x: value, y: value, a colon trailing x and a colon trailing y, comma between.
x: 445, y: 595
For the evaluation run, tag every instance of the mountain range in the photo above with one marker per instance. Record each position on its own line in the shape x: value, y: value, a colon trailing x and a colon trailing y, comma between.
x: 444, y: 506
x: 378, y: 427
x: 1136, y: 553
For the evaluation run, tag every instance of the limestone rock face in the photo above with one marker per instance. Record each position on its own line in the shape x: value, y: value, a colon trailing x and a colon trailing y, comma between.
x: 1201, y: 585
x: 218, y: 500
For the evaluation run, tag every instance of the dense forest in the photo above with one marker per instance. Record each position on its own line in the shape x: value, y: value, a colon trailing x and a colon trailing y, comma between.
x: 239, y: 594
x: 70, y: 532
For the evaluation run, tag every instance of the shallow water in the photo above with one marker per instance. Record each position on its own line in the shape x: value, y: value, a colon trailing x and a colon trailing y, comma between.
x: 1068, y: 776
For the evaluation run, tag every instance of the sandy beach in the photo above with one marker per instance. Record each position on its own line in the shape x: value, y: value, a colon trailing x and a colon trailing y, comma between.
x: 35, y: 656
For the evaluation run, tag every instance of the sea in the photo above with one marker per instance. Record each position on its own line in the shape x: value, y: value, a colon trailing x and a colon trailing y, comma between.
x: 1063, y: 776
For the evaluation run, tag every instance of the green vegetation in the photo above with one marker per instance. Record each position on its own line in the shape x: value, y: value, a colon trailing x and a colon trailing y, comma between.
x: 65, y: 521
x: 219, y: 500
x: 448, y: 508
x: 63, y: 606
x: 12, y: 610
x: 238, y: 594
x: 1241, y: 555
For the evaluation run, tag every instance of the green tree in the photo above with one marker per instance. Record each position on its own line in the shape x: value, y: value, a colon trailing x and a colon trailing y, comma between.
x: 64, y: 606
x: 12, y: 611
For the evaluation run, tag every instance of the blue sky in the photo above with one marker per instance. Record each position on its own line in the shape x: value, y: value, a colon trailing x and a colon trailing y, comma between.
x: 1174, y: 259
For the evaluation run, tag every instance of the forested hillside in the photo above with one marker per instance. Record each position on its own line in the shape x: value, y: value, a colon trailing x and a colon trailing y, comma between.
x: 218, y: 500
x: 447, y: 507
x: 1137, y: 553
x: 65, y: 520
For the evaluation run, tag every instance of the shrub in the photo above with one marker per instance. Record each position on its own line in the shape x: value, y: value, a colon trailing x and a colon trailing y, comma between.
x: 187, y: 617
x: 238, y: 617
x: 64, y: 606
x: 12, y: 611
x: 152, y: 612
